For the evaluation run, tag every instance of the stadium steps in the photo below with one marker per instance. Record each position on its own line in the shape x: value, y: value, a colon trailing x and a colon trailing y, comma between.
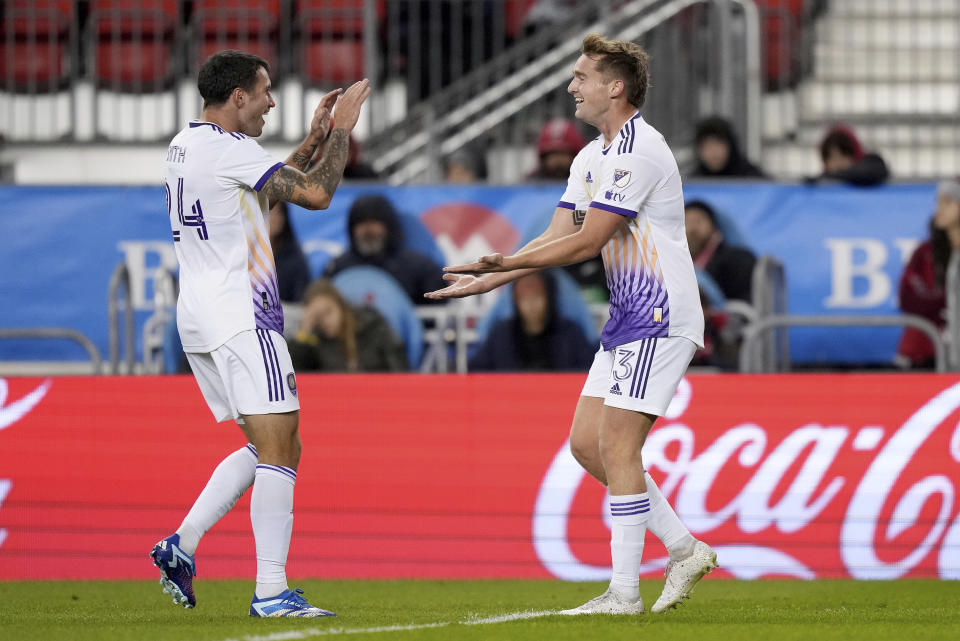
x: 890, y: 69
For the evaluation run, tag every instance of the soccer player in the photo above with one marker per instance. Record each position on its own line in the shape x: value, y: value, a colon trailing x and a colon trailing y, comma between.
x: 219, y: 184
x: 624, y: 200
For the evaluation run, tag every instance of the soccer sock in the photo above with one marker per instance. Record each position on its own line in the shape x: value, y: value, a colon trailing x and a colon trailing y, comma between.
x: 666, y: 525
x: 227, y: 484
x: 271, y: 513
x: 629, y: 514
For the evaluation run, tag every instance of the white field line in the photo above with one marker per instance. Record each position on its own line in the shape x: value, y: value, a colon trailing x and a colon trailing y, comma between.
x: 308, y: 633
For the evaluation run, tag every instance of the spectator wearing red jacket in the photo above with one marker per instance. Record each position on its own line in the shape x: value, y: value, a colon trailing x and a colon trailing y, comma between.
x: 923, y: 284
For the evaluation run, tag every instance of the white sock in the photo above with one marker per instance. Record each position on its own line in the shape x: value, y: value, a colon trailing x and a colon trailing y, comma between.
x: 666, y: 525
x: 271, y: 513
x: 629, y: 514
x: 227, y: 484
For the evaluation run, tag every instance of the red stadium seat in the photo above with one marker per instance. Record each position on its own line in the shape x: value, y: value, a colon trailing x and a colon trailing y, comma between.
x: 236, y: 17
x: 332, y: 62
x: 134, y: 43
x: 133, y: 17
x: 39, y: 65
x: 133, y: 65
x: 334, y: 17
x: 265, y: 48
x: 782, y: 26
x: 34, y: 46
x: 38, y: 17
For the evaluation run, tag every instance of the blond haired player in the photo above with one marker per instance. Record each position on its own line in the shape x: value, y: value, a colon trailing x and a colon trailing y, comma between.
x: 219, y: 183
x: 624, y: 200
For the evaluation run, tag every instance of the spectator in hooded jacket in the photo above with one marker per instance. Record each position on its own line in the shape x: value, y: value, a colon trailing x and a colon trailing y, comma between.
x: 536, y: 337
x: 557, y: 145
x: 923, y: 284
x: 334, y: 336
x: 844, y: 159
x: 293, y: 271
x: 376, y: 239
x: 730, y: 266
x: 718, y: 152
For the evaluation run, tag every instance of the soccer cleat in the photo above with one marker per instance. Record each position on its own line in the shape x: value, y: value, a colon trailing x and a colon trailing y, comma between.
x: 683, y: 575
x: 289, y: 603
x: 177, y: 569
x: 608, y: 603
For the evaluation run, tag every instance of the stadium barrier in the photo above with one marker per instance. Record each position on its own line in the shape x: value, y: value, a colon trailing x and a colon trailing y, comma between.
x: 805, y: 476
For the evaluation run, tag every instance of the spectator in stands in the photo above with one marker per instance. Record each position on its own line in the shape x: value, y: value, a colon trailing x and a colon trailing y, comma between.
x: 730, y: 266
x: 293, y: 272
x: 718, y: 152
x: 536, y: 338
x: 844, y: 159
x: 376, y: 239
x: 923, y: 284
x: 465, y: 165
x: 335, y: 337
x: 557, y: 145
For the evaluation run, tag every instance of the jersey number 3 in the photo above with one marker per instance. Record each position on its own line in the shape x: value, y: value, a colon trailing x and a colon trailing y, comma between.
x: 193, y: 220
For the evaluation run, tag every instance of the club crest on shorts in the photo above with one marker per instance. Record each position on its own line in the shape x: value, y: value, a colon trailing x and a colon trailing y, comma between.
x: 621, y: 178
x: 292, y: 383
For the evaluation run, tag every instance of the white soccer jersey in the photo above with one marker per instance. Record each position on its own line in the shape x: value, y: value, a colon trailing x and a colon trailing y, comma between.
x: 228, y: 280
x: 653, y: 286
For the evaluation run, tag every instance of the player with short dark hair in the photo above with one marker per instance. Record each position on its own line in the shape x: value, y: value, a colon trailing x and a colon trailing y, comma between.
x: 219, y: 183
x: 624, y: 200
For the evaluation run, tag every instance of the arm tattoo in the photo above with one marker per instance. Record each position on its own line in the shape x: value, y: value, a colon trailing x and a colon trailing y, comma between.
x: 301, y: 158
x: 578, y: 216
x: 291, y: 185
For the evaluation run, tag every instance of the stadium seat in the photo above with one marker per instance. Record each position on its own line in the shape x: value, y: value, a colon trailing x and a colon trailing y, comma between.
x: 332, y: 62
x: 244, y: 25
x: 334, y: 17
x: 265, y: 48
x: 134, y: 43
x: 28, y: 66
x: 364, y: 285
x: 236, y: 17
x: 34, y: 48
x: 570, y: 305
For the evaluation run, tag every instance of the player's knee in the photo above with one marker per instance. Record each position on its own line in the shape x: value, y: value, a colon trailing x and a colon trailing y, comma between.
x: 584, y: 450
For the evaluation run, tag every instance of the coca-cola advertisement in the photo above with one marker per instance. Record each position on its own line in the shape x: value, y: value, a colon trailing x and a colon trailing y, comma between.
x: 805, y: 476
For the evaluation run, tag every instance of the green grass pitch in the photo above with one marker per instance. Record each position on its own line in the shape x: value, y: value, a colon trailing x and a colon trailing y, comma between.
x: 720, y: 609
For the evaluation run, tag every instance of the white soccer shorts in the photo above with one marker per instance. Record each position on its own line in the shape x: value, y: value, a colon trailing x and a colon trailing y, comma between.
x: 641, y: 376
x: 250, y: 374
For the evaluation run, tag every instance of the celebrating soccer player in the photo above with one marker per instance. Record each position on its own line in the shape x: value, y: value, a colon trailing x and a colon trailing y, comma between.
x: 219, y: 184
x: 624, y: 200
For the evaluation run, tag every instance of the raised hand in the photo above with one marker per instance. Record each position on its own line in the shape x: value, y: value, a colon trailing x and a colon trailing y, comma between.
x: 349, y: 104
x: 460, y: 286
x: 484, y: 265
x: 323, y: 115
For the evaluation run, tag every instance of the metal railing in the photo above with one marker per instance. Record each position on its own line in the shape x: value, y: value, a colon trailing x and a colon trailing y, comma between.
x: 751, y: 361
x: 120, y: 280
x: 723, y: 75
x: 46, y: 367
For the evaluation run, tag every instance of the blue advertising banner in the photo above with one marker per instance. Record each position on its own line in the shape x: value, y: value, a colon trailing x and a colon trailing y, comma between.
x: 843, y: 248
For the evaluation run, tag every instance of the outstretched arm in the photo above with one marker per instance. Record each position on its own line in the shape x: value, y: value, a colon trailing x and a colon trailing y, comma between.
x: 315, y: 188
x: 598, y: 227
x: 563, y: 223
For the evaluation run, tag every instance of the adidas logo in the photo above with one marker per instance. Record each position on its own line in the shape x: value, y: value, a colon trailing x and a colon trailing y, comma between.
x: 616, y: 389
x: 589, y: 177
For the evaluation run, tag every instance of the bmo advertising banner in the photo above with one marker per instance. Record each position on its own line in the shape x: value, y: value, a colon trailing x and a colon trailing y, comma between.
x: 469, y: 476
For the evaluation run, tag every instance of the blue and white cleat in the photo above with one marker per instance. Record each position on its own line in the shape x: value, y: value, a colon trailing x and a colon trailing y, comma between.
x: 289, y: 603
x: 177, y: 569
